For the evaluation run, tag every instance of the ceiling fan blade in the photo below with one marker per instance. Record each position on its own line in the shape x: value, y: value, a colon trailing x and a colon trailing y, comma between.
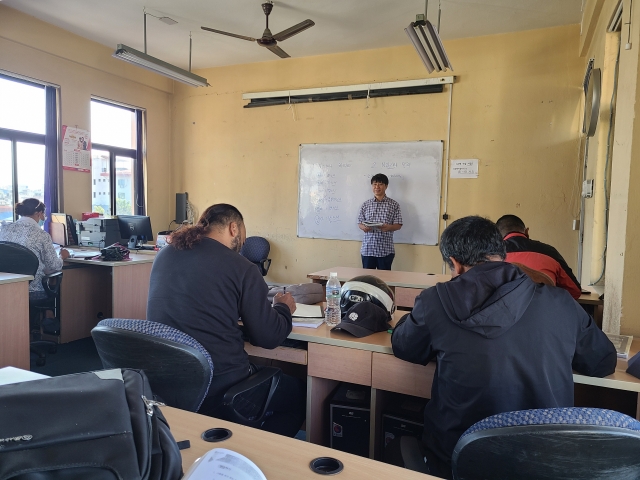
x: 291, y: 31
x: 241, y: 37
x: 278, y: 51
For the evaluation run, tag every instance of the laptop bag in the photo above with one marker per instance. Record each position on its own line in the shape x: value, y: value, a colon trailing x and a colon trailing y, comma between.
x: 101, y: 425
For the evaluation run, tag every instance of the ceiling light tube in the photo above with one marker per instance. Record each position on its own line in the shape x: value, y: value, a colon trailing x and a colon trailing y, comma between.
x: 437, y: 46
x: 411, y: 33
x: 131, y: 55
x: 432, y: 55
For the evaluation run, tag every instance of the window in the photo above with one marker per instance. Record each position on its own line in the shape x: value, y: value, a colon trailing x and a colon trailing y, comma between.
x: 117, y: 159
x: 23, y: 140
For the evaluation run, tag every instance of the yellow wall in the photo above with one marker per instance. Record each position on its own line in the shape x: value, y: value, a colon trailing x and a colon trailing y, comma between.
x: 83, y: 68
x: 515, y: 107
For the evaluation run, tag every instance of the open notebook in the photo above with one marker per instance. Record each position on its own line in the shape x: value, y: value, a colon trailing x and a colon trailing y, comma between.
x: 310, y: 316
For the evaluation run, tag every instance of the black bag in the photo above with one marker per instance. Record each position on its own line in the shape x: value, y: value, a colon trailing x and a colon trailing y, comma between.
x: 115, y: 253
x: 100, y: 425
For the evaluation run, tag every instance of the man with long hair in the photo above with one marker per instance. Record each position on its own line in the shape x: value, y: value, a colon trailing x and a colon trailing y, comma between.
x: 202, y: 286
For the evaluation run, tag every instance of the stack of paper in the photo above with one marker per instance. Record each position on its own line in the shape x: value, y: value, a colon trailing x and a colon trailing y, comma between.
x: 372, y: 224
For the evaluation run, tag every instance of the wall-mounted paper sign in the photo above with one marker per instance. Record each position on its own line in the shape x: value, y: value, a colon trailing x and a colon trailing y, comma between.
x: 464, y: 168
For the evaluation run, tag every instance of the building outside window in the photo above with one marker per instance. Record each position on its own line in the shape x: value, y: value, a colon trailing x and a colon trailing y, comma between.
x: 116, y: 158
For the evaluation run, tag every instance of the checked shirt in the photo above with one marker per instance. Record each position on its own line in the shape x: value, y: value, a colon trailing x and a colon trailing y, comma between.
x: 377, y: 243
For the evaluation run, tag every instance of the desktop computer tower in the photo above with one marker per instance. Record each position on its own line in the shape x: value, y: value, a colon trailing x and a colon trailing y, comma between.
x: 402, y: 416
x: 349, y: 416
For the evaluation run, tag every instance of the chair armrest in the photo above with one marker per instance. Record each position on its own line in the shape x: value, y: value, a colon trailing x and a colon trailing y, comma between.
x: 264, y: 265
x: 253, y: 381
x: 51, y: 283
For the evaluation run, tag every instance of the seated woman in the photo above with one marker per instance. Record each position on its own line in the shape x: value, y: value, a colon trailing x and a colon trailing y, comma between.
x: 27, y: 232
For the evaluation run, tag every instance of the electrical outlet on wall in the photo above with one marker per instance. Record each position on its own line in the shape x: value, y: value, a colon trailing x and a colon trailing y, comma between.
x: 587, y: 189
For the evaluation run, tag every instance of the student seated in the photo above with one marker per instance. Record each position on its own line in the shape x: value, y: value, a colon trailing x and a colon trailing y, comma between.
x: 536, y: 255
x: 501, y: 342
x: 201, y: 285
x: 27, y: 231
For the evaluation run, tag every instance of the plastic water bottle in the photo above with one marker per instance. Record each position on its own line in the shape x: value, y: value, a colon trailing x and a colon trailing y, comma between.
x: 332, y: 313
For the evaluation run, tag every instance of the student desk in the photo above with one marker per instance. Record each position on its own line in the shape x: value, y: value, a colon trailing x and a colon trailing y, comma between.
x: 408, y: 285
x: 94, y: 289
x: 278, y: 457
x: 333, y: 357
x: 14, y: 320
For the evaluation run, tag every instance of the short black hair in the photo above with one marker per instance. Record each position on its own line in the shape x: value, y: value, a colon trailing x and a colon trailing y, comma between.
x: 380, y: 178
x: 510, y: 223
x: 471, y: 240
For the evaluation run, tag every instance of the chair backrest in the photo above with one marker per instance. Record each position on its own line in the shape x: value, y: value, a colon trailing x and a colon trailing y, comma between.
x: 554, y: 443
x: 179, y: 368
x: 536, y: 275
x: 16, y: 258
x: 255, y: 249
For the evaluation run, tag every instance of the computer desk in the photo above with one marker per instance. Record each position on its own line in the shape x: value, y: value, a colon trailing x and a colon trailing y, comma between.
x: 95, y: 289
x: 278, y: 457
x: 14, y: 320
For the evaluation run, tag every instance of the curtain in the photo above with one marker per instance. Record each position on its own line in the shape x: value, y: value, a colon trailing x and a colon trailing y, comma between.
x: 140, y: 207
x: 51, y: 154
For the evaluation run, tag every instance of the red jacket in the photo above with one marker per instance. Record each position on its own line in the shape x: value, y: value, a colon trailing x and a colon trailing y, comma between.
x: 544, y: 258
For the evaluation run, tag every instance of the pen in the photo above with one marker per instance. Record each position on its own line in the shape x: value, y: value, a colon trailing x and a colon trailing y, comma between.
x: 284, y: 292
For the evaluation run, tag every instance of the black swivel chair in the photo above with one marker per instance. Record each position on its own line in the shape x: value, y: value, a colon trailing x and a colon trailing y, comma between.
x: 554, y: 443
x: 179, y: 368
x: 256, y: 250
x: 15, y: 258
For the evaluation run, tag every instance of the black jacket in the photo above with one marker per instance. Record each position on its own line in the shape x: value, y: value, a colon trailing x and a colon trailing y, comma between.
x: 502, y: 343
x: 203, y: 291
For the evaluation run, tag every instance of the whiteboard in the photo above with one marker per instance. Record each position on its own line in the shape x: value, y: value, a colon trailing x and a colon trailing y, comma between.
x: 335, y: 179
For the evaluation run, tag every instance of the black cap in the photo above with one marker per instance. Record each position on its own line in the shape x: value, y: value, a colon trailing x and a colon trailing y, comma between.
x: 363, y: 319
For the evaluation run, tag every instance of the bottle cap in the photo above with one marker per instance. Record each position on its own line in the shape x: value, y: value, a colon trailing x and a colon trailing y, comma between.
x: 333, y: 274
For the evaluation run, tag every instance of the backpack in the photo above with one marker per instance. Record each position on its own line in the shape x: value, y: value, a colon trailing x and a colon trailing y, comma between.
x: 101, y: 425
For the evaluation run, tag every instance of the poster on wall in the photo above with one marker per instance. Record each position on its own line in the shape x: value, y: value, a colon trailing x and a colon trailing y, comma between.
x: 76, y: 149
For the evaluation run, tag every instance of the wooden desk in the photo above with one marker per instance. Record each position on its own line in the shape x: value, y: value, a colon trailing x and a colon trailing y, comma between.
x: 95, y: 289
x: 408, y: 285
x: 278, y: 457
x: 14, y: 320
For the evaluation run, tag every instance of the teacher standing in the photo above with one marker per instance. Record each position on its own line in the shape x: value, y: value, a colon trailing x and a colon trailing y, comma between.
x: 377, y: 246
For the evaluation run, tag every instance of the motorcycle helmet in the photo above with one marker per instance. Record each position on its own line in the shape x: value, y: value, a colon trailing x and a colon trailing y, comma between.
x: 366, y: 288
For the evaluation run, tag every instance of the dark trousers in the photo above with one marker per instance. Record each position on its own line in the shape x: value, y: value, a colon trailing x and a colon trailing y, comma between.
x: 380, y: 263
x: 287, y: 407
x: 434, y: 466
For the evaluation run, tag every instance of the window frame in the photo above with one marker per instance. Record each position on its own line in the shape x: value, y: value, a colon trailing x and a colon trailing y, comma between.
x: 139, y: 207
x: 19, y: 136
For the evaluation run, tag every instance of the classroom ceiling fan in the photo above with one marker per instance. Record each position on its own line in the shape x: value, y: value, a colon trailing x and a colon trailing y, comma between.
x: 268, y: 40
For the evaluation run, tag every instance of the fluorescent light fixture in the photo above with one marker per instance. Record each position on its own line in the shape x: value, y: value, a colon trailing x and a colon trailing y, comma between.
x: 167, y: 20
x: 427, y: 43
x: 143, y: 60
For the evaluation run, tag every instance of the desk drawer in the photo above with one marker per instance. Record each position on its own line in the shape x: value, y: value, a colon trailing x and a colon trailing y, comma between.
x: 283, y: 354
x: 340, y: 363
x: 406, y: 297
x: 395, y: 375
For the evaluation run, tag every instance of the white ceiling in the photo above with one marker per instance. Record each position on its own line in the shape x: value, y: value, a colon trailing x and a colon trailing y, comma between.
x: 341, y: 25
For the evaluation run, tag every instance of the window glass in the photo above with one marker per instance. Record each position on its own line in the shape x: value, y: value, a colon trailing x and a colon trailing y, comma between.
x: 124, y: 186
x: 22, y: 106
x: 6, y: 181
x: 112, y: 125
x: 30, y: 171
x: 101, y: 201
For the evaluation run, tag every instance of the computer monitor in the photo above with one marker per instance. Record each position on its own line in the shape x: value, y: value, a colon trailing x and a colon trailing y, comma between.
x: 136, y: 229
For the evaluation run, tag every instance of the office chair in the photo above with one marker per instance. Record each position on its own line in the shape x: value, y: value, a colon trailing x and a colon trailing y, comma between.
x: 256, y: 250
x: 179, y: 368
x: 18, y: 259
x: 554, y: 443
